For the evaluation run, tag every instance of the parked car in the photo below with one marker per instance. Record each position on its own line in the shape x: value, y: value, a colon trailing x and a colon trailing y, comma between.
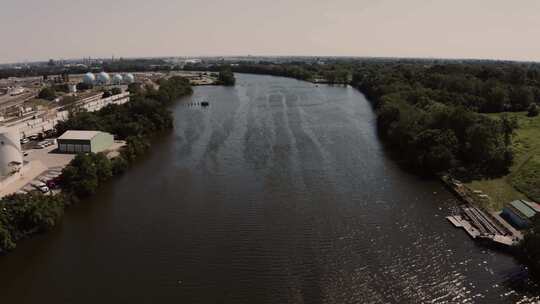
x: 52, y: 184
x: 38, y: 184
x: 25, y: 153
x: 44, y: 189
x: 44, y: 144
x: 24, y: 140
x: 33, y: 137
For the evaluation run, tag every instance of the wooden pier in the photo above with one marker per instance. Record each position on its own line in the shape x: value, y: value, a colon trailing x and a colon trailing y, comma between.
x: 480, y: 224
x: 459, y: 222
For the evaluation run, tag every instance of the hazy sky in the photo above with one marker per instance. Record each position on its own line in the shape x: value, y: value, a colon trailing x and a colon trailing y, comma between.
x: 42, y: 29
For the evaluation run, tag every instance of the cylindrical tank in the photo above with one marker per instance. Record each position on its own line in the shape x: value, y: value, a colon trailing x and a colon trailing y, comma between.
x: 117, y: 79
x: 89, y: 78
x: 129, y: 78
x: 103, y: 78
x: 10, y: 151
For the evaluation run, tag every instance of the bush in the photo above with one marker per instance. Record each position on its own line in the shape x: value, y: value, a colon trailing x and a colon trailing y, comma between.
x: 119, y: 165
x: 116, y: 91
x: 226, y: 77
x: 85, y: 173
x: 24, y: 214
x: 533, y: 110
x: 530, y: 246
x: 83, y: 86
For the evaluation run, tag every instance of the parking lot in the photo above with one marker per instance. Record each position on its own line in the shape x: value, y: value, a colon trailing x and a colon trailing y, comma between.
x: 46, y: 155
x: 43, y: 182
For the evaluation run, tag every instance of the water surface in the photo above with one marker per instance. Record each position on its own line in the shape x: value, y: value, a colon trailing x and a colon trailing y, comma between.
x: 279, y: 192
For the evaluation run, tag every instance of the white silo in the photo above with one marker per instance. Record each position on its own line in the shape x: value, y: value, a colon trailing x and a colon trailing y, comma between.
x: 89, y: 78
x: 117, y: 79
x: 103, y: 78
x: 11, y: 159
x: 129, y: 78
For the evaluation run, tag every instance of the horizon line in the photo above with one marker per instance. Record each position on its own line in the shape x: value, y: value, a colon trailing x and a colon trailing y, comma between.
x: 33, y: 61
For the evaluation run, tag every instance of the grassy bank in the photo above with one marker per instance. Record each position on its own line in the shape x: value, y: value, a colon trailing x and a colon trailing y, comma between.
x: 523, y: 181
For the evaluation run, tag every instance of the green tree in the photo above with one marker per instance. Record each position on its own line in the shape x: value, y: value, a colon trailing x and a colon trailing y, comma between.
x: 116, y: 91
x: 521, y: 98
x: 135, y: 88
x: 509, y: 125
x: 47, y: 93
x: 533, y: 110
x: 530, y: 246
x: 496, y: 99
x: 80, y: 177
x: 226, y: 76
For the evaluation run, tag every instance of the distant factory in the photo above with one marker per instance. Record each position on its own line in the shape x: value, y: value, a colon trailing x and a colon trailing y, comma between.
x: 103, y: 78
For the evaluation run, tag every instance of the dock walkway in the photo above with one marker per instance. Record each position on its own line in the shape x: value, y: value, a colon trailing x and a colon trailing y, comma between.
x: 479, y: 223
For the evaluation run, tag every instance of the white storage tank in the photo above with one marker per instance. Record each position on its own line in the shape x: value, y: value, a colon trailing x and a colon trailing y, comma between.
x: 129, y: 78
x: 117, y: 79
x: 89, y: 78
x: 103, y: 78
x: 11, y: 159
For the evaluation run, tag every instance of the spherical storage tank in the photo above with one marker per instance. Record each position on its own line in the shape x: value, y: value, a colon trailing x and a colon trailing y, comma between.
x: 129, y: 78
x: 89, y: 78
x: 10, y: 151
x: 103, y: 78
x: 117, y: 79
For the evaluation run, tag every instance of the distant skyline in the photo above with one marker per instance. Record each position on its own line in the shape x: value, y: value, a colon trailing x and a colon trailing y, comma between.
x: 34, y: 30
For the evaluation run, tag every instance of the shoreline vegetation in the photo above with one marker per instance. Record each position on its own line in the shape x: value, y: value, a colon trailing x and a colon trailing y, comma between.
x: 136, y: 122
x: 226, y: 76
x: 477, y: 121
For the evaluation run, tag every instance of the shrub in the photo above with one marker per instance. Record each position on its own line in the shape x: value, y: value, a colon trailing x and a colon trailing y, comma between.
x: 533, y: 110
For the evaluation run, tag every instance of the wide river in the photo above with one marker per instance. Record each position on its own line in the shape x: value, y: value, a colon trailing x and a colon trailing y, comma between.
x: 279, y: 192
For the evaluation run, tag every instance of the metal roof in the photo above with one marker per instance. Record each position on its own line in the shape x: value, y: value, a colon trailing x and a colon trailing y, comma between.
x: 78, y: 135
x: 523, y: 208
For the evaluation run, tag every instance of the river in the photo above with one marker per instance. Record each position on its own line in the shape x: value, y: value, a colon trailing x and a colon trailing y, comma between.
x: 279, y: 192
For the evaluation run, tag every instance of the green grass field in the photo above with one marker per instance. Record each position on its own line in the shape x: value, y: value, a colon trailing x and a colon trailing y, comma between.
x: 524, y: 178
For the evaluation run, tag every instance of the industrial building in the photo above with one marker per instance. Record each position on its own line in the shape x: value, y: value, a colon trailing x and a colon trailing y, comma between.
x: 96, y: 101
x: 74, y: 141
x: 519, y: 213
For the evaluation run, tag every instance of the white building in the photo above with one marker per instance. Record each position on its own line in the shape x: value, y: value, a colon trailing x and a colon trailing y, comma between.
x: 11, y: 159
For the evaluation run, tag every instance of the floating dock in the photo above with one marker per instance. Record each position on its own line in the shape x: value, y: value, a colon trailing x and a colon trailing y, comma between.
x: 479, y: 224
x: 459, y: 222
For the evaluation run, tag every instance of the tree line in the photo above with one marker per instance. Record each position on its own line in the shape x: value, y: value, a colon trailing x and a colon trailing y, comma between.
x: 435, y: 126
x: 431, y: 111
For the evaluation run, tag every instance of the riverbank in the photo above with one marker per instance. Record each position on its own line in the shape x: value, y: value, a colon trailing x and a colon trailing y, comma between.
x: 523, y: 179
x: 483, y: 225
x: 144, y: 117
